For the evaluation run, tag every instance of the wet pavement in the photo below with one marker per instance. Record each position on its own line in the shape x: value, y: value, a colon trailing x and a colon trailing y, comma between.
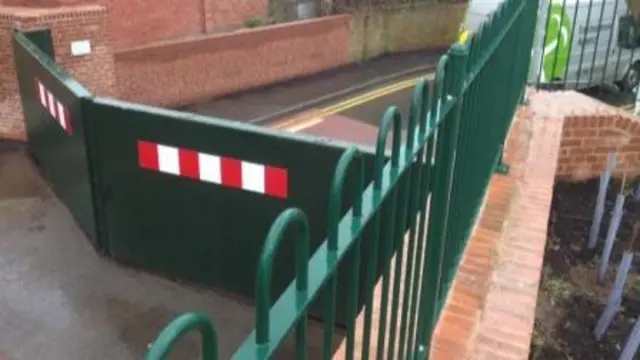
x: 275, y: 100
x: 60, y: 300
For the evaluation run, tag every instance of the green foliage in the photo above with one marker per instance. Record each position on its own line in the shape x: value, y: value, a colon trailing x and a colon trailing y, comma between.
x: 254, y: 22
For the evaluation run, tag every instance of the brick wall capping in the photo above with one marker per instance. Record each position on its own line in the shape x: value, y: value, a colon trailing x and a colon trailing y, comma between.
x: 14, y: 13
x: 239, y: 39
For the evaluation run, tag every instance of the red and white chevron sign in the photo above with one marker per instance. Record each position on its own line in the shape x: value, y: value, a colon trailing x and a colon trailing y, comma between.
x: 225, y: 171
x: 54, y: 106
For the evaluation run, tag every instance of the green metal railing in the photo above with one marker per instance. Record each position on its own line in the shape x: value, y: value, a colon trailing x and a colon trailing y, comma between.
x: 587, y: 43
x: 433, y: 184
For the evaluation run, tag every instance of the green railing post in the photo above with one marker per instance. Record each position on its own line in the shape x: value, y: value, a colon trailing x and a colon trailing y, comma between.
x: 523, y: 95
x: 501, y: 166
x: 440, y: 208
x: 177, y: 329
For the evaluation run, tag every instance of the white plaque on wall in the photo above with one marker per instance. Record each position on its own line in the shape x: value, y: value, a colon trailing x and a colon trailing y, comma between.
x: 80, y: 47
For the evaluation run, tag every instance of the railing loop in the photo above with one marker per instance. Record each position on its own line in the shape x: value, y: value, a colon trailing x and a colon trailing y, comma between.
x: 335, y: 194
x: 439, y: 92
x: 177, y: 329
x: 392, y: 115
x: 420, y: 104
x: 273, y: 241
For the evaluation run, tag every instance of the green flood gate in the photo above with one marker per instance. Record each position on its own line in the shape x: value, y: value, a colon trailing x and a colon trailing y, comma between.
x: 179, y: 194
x: 52, y: 103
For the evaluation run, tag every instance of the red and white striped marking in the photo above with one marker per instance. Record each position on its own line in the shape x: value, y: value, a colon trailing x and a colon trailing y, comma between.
x: 54, y: 106
x: 225, y: 171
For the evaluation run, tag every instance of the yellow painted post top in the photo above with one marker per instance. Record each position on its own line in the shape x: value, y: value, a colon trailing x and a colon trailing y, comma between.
x: 463, y: 36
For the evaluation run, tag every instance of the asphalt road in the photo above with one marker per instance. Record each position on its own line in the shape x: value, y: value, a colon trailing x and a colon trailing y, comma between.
x: 274, y: 101
x: 371, y: 112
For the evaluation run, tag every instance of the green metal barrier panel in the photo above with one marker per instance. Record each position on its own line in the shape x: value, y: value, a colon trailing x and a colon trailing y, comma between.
x: 192, y: 197
x: 52, y: 103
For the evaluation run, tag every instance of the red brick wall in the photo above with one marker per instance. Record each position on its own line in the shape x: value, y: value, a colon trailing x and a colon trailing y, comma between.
x: 178, y: 73
x: 222, y: 14
x: 137, y: 22
x: 591, y: 130
x: 95, y: 70
x: 587, y: 141
x: 490, y: 310
x: 141, y: 22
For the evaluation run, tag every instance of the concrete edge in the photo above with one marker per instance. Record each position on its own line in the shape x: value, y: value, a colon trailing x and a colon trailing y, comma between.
x: 12, y: 145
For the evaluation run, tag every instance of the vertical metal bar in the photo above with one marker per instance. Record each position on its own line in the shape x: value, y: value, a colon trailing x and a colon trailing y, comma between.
x: 445, y: 163
x: 512, y: 80
x: 555, y: 57
x: 573, y: 31
x: 606, y: 59
x: 372, y: 268
x: 329, y: 311
x: 586, y: 29
x: 595, y: 51
x: 421, y: 248
x: 544, y: 41
x: 352, y: 313
x: 392, y: 115
x: 387, y: 250
x: 400, y: 227
x: 620, y: 49
x: 531, y: 14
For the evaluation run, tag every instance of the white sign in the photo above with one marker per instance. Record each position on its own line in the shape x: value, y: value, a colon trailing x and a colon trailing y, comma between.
x: 81, y: 47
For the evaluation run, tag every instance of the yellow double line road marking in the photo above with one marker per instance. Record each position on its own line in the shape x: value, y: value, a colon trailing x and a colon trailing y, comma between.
x: 316, y: 117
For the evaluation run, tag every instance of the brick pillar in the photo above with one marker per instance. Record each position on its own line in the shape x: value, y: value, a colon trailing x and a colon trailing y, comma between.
x: 95, y: 70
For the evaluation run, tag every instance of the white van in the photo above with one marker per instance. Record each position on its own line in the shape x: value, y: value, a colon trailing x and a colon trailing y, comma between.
x: 587, y: 42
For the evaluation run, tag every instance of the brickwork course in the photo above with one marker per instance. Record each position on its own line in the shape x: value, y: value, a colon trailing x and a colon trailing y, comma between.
x: 174, y: 73
x: 490, y: 311
x: 591, y: 131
